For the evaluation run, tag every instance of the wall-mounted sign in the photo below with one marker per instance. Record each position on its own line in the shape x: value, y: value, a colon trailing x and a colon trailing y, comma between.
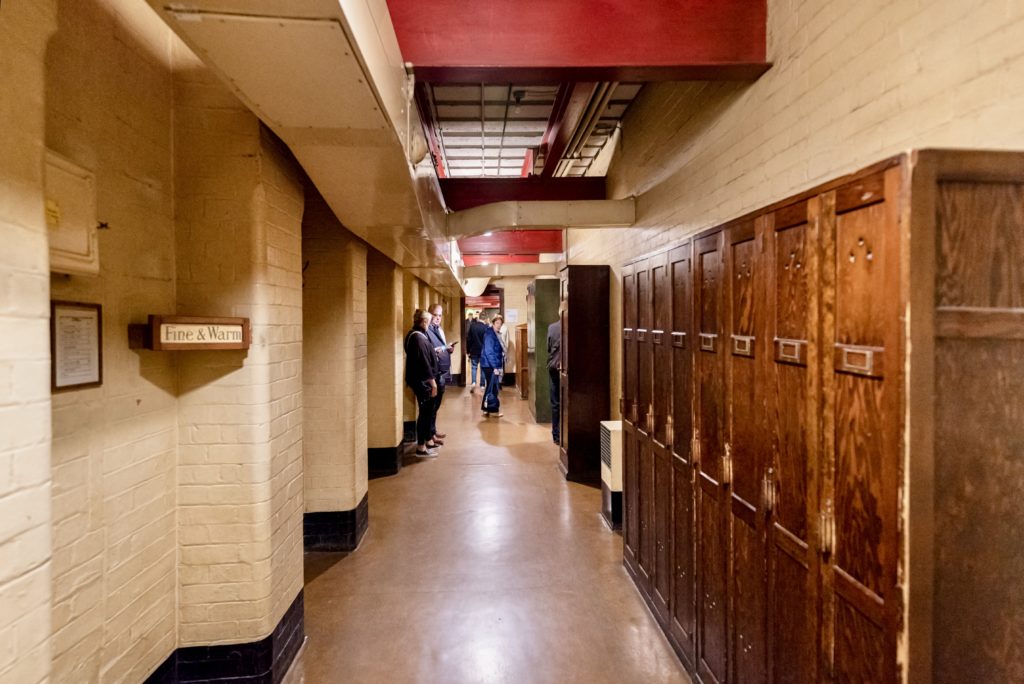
x: 76, y: 345
x: 190, y: 333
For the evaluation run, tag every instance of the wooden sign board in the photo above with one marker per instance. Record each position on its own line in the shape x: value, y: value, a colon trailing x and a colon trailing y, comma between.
x: 191, y: 333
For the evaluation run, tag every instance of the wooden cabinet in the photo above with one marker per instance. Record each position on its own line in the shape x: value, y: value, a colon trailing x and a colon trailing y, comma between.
x: 584, y: 378
x: 821, y: 401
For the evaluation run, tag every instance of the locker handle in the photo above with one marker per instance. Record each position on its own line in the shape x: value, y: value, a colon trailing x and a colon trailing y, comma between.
x: 727, y: 465
x: 827, y: 530
x: 670, y: 436
x: 650, y: 418
x: 768, y: 491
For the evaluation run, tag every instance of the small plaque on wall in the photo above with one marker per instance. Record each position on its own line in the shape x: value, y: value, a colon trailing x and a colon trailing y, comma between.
x: 190, y: 333
x: 76, y: 345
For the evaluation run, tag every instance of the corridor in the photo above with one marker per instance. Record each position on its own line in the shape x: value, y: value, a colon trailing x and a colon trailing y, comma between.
x: 482, y: 565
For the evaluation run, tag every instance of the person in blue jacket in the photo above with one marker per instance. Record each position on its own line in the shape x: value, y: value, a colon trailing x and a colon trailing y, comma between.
x: 492, y: 362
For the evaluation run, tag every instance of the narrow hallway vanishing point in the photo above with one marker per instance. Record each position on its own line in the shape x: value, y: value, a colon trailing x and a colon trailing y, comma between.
x: 481, y: 565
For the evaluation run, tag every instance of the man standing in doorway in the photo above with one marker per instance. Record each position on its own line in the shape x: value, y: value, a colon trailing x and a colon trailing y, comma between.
x: 444, y: 364
x: 475, y: 345
x: 554, y: 363
x: 421, y: 377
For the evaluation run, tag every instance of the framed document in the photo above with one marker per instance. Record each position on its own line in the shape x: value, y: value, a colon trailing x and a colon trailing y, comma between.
x: 76, y: 345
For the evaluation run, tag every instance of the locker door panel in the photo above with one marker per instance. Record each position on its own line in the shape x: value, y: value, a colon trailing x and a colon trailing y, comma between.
x: 684, y: 536
x: 712, y: 553
x: 630, y: 485
x: 643, y: 417
x: 863, y: 439
x: 661, y: 406
x: 745, y: 400
x: 793, y: 567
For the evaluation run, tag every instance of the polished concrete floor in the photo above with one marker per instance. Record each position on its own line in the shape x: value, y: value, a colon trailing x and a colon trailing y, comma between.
x: 481, y: 565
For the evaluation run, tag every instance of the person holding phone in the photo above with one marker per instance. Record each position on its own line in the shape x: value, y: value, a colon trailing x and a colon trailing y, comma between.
x: 444, y: 365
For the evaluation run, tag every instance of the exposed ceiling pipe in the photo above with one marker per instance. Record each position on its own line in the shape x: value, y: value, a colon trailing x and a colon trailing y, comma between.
x: 542, y: 215
x: 598, y: 104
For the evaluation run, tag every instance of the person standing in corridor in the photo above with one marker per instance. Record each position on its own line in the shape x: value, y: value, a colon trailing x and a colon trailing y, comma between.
x: 554, y: 365
x: 474, y: 345
x: 492, y: 362
x: 444, y: 365
x: 421, y: 377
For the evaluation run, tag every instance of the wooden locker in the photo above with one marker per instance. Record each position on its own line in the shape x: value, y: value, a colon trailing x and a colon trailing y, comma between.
x: 630, y: 483
x: 683, y: 622
x: 746, y: 453
x: 862, y: 369
x: 791, y: 309
x: 645, y: 415
x: 661, y: 409
x: 712, y: 548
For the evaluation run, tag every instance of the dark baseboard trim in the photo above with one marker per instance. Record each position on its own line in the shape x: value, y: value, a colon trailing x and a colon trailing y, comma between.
x: 611, y: 506
x: 383, y: 461
x: 409, y: 431
x: 260, y: 662
x: 336, y: 530
x: 508, y: 380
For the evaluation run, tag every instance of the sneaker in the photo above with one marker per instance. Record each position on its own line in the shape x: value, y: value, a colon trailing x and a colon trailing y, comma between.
x: 433, y: 444
x: 426, y: 453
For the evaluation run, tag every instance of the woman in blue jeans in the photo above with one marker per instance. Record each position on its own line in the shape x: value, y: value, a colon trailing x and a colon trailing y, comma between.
x: 492, y: 361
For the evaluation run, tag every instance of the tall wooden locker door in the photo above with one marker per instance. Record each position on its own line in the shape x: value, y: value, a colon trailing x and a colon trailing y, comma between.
x: 630, y: 482
x: 661, y: 408
x: 712, y: 495
x: 683, y: 623
x: 791, y: 481
x: 862, y: 379
x: 744, y: 464
x: 645, y: 454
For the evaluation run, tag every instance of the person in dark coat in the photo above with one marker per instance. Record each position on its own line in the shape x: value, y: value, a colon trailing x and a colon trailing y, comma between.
x: 421, y: 377
x: 444, y: 365
x: 554, y: 361
x: 492, y: 362
x: 474, y: 346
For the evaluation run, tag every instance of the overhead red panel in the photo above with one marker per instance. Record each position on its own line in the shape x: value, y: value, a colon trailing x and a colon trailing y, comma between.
x: 486, y: 259
x: 466, y: 193
x: 457, y: 40
x: 514, y: 242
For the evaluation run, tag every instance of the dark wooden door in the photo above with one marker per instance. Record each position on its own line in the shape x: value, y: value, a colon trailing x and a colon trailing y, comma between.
x: 683, y: 623
x: 862, y: 378
x: 793, y: 402
x: 661, y: 407
x: 712, y: 556
x: 630, y: 482
x: 645, y: 455
x: 745, y: 451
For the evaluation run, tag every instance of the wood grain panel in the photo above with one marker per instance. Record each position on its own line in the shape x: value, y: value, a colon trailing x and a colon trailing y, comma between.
x: 684, y: 590
x: 631, y: 495
x: 661, y: 347
x: 645, y: 467
x: 748, y: 598
x: 980, y: 235
x: 860, y: 649
x: 979, y: 474
x: 663, y: 570
x: 794, y: 641
x: 713, y: 574
x: 682, y: 365
x: 861, y: 294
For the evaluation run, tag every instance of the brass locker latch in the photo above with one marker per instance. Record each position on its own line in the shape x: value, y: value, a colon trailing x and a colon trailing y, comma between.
x: 650, y: 418
x: 632, y: 413
x: 827, y: 529
x: 768, y: 490
x: 727, y: 465
x: 670, y: 436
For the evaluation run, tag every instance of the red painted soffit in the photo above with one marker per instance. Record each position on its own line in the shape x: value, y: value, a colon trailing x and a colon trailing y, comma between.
x: 570, y: 37
x: 479, y: 259
x: 514, y: 242
x: 466, y: 193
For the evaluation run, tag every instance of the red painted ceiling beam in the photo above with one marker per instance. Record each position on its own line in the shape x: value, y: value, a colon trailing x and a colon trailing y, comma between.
x: 422, y: 97
x: 465, y: 193
x: 487, y: 259
x: 570, y: 105
x: 513, y: 242
x: 576, y: 40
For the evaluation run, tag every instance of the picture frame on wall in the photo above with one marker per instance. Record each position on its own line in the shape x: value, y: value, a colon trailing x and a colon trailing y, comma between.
x: 76, y: 345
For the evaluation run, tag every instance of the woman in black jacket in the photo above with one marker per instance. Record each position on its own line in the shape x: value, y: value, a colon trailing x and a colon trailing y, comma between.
x: 421, y: 377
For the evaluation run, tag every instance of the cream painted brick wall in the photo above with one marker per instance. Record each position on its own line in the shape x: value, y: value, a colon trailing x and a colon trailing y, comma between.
x: 239, y: 210
x: 410, y: 302
x: 385, y: 356
x: 25, y: 509
x: 852, y: 82
x: 334, y: 361
x: 114, y: 557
